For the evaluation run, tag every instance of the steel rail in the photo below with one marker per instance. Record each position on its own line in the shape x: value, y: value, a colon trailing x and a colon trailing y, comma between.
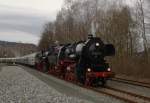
x: 131, y: 94
x: 131, y: 82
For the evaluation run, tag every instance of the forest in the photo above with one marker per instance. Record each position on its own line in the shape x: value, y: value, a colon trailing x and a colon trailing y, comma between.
x: 125, y: 25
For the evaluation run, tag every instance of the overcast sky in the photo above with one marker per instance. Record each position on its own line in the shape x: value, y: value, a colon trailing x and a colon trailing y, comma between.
x: 23, y: 20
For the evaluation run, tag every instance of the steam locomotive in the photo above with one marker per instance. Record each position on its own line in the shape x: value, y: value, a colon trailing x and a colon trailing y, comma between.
x: 83, y: 62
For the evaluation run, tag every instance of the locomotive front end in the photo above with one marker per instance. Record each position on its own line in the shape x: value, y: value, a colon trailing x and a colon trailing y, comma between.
x: 93, y: 64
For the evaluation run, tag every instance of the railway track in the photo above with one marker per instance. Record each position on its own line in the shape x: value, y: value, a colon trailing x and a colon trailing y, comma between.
x: 126, y: 96
x: 106, y: 91
x: 131, y: 82
x: 117, y: 93
x: 123, y: 95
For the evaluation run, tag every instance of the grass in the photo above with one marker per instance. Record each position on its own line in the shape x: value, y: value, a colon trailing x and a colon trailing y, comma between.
x: 131, y: 66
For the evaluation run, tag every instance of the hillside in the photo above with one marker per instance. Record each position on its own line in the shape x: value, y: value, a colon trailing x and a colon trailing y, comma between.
x: 13, y: 49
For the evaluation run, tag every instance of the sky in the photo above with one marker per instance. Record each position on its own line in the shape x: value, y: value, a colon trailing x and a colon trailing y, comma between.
x: 23, y: 20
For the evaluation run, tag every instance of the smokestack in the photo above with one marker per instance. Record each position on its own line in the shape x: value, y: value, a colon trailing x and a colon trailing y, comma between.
x: 90, y: 36
x: 93, y: 29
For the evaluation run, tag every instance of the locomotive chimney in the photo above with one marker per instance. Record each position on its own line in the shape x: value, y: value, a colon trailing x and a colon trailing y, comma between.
x: 93, y: 29
x: 90, y: 36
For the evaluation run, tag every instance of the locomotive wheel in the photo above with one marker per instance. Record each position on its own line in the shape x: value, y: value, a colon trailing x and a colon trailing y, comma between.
x: 45, y: 69
x: 70, y: 77
x: 103, y: 82
x: 80, y: 74
x: 88, y: 82
x: 39, y: 66
x: 35, y: 66
x: 98, y: 82
x: 95, y: 82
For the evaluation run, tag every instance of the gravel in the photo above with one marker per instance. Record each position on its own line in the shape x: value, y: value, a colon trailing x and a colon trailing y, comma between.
x: 18, y: 86
x: 71, y: 89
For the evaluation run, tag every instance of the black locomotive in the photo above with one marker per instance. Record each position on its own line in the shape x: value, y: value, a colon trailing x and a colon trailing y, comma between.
x: 82, y: 61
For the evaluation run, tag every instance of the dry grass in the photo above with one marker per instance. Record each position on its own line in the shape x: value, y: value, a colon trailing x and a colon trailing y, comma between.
x: 131, y: 66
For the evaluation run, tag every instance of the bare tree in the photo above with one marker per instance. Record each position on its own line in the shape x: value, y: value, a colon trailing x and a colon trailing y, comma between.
x: 47, y: 38
x: 114, y: 23
x: 142, y: 27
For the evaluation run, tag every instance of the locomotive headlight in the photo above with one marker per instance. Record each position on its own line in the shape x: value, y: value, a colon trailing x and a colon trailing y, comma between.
x: 108, y: 69
x: 97, y: 44
x: 61, y: 62
x: 68, y: 68
x: 55, y: 67
x: 89, y: 69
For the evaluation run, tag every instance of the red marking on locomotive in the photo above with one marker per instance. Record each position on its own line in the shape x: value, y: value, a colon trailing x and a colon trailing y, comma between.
x: 100, y: 74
